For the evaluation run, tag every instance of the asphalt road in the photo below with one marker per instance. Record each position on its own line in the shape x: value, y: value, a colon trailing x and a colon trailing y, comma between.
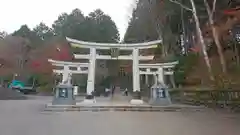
x: 26, y: 118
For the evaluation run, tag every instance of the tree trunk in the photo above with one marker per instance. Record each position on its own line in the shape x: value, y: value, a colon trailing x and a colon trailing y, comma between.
x: 219, y: 48
x: 236, y: 53
x: 199, y: 32
x: 183, y: 38
x: 216, y: 36
x: 157, y: 21
x: 173, y: 81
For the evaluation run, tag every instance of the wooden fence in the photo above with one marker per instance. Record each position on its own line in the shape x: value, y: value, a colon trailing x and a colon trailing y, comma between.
x: 210, y: 98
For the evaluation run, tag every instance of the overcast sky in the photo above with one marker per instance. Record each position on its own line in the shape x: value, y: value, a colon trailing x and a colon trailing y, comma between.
x: 14, y: 13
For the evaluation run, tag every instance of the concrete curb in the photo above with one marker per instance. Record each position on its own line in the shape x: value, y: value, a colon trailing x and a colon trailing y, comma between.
x: 122, y: 108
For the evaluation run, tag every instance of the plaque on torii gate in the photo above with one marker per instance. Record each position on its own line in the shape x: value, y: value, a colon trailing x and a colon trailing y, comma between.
x: 114, y: 52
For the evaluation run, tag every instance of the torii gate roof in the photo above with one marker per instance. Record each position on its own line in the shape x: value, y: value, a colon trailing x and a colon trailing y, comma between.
x: 84, y: 44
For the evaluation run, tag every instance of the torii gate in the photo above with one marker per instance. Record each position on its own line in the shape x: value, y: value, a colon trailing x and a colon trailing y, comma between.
x: 115, y: 55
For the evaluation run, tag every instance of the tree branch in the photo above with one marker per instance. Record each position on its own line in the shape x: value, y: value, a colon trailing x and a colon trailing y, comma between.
x: 210, y: 12
x: 214, y: 6
x: 183, y: 6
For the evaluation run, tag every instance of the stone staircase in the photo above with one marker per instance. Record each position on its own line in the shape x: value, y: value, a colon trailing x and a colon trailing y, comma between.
x: 119, y: 97
x: 120, y: 103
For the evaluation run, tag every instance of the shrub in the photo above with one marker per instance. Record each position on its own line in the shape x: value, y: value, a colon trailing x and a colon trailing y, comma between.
x: 186, y: 64
x: 46, y: 88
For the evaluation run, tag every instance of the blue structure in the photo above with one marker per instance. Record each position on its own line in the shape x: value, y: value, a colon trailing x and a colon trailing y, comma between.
x: 160, y: 95
x: 21, y: 86
x: 15, y: 84
x: 64, y: 95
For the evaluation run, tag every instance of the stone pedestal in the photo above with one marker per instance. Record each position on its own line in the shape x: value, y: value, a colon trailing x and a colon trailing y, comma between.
x: 64, y: 95
x: 137, y: 98
x: 89, y: 98
x: 159, y: 95
x: 136, y: 102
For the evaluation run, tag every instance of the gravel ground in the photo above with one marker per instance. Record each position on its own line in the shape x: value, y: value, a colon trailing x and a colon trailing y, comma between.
x: 25, y: 117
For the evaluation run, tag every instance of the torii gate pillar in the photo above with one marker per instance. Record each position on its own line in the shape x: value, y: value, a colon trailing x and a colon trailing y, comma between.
x: 91, y: 76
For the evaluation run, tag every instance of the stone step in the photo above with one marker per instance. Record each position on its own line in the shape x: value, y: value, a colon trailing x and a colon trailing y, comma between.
x: 65, y: 108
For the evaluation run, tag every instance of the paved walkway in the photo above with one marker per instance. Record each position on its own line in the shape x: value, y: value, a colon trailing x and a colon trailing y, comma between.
x: 26, y: 118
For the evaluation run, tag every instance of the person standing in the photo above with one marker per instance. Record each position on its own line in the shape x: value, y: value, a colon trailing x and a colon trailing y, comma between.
x: 126, y: 92
x: 107, y: 92
x: 113, y: 90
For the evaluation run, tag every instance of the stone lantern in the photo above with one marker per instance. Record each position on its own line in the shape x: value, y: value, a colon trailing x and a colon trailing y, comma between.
x: 159, y: 95
x: 64, y: 95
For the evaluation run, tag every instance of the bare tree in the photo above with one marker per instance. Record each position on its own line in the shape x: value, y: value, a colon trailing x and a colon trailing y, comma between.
x: 199, y: 33
x: 18, y: 48
x: 215, y: 33
x: 160, y: 18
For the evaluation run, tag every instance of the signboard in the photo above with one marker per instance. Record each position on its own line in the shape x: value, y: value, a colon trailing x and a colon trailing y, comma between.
x: 75, y: 91
x: 63, y: 93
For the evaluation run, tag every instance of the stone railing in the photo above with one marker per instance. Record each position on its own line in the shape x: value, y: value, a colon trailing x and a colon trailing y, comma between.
x: 210, y: 98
